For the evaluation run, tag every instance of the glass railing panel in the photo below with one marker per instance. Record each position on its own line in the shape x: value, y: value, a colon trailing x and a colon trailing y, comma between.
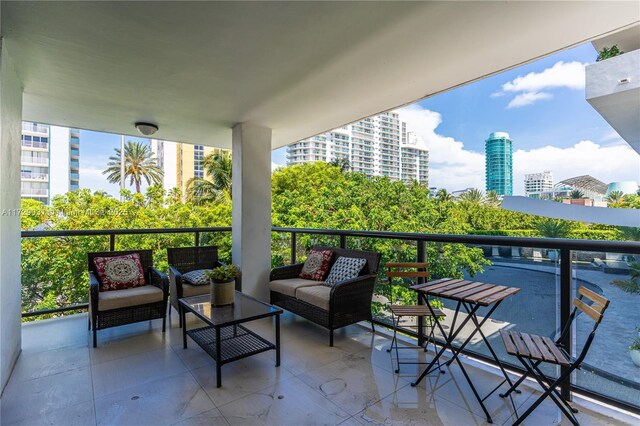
x: 609, y: 368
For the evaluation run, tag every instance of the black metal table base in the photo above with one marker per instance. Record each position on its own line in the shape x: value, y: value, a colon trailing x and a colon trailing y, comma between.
x: 230, y: 343
x: 471, y: 310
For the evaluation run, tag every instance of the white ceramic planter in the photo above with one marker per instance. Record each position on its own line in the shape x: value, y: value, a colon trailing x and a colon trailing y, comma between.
x: 635, y: 357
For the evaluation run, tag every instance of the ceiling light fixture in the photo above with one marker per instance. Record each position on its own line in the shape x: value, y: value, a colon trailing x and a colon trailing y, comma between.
x: 146, y: 129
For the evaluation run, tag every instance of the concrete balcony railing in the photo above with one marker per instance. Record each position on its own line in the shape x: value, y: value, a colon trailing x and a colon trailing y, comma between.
x: 613, y: 89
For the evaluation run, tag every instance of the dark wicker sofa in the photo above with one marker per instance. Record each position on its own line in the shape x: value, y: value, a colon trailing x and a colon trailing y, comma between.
x: 334, y: 307
x: 119, y: 307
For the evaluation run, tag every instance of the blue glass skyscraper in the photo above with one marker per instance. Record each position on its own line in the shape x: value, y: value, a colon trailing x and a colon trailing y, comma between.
x: 498, y: 153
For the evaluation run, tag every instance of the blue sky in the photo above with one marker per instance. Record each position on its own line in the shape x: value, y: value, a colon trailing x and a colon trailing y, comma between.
x: 541, y: 105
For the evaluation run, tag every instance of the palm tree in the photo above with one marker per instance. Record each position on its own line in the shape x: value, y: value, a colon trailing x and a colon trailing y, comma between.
x: 614, y: 199
x: 217, y: 167
x: 576, y: 194
x: 553, y: 228
x: 139, y: 163
x: 632, y: 285
x: 473, y: 196
x: 174, y: 195
x: 493, y: 199
x: 442, y: 195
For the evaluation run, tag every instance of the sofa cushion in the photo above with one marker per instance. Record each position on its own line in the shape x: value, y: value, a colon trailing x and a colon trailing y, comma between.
x: 317, y: 265
x: 119, y: 272
x: 196, y: 277
x: 129, y: 297
x: 189, y: 290
x: 318, y: 295
x: 345, y: 268
x: 289, y: 286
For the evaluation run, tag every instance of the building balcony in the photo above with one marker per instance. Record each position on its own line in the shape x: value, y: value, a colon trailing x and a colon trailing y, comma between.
x: 35, y: 128
x: 74, y: 176
x: 74, y: 153
x: 613, y: 89
x: 31, y: 192
x: 35, y: 146
x: 27, y: 176
x: 34, y: 161
x: 74, y: 164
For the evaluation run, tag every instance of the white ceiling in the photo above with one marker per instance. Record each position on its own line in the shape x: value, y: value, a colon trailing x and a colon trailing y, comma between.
x: 300, y: 68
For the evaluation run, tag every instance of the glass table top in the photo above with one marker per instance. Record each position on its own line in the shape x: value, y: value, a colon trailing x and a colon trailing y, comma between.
x: 245, y: 308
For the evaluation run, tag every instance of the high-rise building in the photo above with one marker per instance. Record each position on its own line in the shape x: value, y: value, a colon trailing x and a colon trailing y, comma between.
x: 535, y: 184
x: 180, y: 162
x: 499, y: 163
x: 49, y: 162
x: 376, y: 146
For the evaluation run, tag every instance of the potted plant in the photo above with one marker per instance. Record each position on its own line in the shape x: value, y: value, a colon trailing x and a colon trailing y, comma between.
x: 634, y: 351
x: 223, y: 284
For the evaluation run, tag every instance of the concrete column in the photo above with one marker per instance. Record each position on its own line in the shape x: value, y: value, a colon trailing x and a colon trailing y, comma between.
x: 251, y: 216
x: 10, y: 130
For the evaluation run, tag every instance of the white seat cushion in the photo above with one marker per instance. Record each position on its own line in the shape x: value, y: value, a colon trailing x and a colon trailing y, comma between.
x: 189, y: 290
x: 289, y: 286
x: 114, y: 299
x: 318, y: 295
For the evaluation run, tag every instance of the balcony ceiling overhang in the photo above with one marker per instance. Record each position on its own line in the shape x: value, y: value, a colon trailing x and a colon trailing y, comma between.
x: 300, y: 68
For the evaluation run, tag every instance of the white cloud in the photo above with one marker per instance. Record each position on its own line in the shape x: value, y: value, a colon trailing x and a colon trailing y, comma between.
x: 450, y: 165
x: 528, y: 98
x: 453, y: 167
x: 530, y: 88
x: 561, y: 74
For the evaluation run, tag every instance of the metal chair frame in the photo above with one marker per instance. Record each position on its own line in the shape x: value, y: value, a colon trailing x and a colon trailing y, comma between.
x: 596, y: 312
x: 401, y: 271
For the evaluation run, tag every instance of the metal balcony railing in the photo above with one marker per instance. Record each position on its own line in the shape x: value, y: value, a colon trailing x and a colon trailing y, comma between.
x: 527, y: 263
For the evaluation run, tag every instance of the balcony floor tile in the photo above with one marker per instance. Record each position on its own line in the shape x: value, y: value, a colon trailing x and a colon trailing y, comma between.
x: 138, y: 375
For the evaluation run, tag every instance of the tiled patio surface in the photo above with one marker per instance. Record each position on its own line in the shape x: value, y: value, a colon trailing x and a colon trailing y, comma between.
x: 139, y: 376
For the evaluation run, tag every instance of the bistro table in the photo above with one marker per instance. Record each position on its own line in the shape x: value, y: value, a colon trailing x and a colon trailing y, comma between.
x: 223, y: 338
x: 470, y: 295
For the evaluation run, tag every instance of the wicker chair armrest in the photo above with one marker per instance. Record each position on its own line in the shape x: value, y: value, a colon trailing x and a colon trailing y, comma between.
x: 286, y: 272
x: 158, y: 279
x: 351, y: 294
x: 94, y: 292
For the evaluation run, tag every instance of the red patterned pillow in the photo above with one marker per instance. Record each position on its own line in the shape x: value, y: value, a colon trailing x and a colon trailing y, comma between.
x: 317, y: 265
x: 119, y: 272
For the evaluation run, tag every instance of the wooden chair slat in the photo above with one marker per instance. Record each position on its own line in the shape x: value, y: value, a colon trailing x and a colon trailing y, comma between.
x: 595, y: 315
x: 484, y: 294
x: 594, y: 297
x: 531, y: 346
x: 522, y: 348
x: 407, y: 265
x: 557, y: 353
x: 544, y: 350
x: 508, y: 342
x: 476, y: 289
x: 415, y: 310
x: 410, y: 274
x: 496, y: 297
x: 430, y: 283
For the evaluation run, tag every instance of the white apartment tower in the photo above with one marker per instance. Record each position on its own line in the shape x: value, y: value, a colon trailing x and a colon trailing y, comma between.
x: 535, y: 184
x: 49, y: 162
x: 376, y: 146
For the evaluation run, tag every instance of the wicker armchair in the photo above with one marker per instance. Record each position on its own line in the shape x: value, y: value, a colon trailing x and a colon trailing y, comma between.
x: 348, y: 301
x: 186, y: 259
x: 116, y: 307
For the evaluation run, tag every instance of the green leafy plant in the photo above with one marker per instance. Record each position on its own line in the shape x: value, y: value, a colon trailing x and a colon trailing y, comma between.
x: 223, y: 274
x: 635, y: 346
x: 607, y: 53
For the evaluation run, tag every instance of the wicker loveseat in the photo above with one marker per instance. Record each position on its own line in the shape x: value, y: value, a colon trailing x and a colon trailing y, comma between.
x: 119, y: 307
x: 332, y: 307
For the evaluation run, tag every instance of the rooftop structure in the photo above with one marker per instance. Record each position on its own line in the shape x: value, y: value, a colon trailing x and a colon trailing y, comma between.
x: 589, y: 186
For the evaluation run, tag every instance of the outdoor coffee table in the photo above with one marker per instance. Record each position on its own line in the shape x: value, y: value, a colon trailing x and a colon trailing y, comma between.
x: 470, y: 295
x: 223, y: 338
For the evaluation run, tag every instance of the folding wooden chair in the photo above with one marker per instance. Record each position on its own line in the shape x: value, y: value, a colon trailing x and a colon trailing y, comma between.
x: 409, y: 270
x: 533, y: 350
